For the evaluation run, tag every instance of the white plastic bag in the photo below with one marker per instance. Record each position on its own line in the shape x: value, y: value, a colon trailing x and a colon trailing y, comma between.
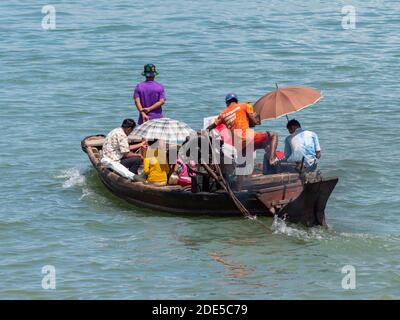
x: 118, y: 168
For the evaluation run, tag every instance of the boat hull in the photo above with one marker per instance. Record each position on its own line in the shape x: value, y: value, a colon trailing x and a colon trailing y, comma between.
x: 288, y: 195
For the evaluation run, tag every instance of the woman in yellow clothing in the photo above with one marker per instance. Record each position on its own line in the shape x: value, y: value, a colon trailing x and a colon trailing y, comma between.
x: 155, y: 166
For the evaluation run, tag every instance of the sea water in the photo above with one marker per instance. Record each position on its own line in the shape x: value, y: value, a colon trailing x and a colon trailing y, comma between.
x: 69, y: 72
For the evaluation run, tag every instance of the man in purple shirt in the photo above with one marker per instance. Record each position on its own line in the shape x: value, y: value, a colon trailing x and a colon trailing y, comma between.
x: 149, y: 96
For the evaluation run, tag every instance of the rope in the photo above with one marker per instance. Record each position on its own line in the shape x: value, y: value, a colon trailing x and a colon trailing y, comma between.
x: 220, y: 177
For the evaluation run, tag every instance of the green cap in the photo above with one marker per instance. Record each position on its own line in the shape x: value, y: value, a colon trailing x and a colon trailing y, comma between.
x: 149, y: 70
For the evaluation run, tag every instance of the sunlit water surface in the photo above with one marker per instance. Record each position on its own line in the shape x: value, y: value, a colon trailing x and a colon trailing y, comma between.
x: 59, y: 86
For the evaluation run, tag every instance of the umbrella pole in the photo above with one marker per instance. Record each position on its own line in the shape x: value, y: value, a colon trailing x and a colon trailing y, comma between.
x: 277, y: 88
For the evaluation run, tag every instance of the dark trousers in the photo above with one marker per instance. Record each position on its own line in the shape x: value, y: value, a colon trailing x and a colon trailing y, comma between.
x: 132, y: 164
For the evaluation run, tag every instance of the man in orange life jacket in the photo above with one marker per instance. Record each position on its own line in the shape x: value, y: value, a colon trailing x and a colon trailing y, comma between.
x: 239, y: 117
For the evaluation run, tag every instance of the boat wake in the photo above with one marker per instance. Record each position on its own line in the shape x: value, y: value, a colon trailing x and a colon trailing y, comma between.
x: 281, y: 227
x: 74, y: 178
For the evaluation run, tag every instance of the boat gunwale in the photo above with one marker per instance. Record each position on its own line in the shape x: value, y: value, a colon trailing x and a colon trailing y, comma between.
x: 256, y: 183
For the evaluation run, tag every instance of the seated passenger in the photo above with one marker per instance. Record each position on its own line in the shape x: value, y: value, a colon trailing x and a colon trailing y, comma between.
x: 183, y: 172
x: 155, y: 166
x: 302, y: 144
x: 117, y: 151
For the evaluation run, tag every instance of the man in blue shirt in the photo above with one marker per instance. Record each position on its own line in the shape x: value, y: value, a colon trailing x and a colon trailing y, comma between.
x: 302, y: 144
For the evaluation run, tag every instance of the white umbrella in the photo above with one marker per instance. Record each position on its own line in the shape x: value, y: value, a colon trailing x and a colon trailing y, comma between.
x: 164, y: 129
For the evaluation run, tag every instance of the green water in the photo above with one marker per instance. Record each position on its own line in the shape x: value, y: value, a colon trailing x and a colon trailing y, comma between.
x: 61, y: 85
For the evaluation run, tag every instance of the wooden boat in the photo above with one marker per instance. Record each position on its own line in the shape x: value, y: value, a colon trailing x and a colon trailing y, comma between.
x: 299, y: 198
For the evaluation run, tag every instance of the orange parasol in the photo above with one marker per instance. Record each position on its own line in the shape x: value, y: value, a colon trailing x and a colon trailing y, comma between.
x: 286, y: 100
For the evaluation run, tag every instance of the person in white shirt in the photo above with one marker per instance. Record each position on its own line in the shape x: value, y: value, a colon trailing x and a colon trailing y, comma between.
x: 302, y: 144
x: 116, y: 148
